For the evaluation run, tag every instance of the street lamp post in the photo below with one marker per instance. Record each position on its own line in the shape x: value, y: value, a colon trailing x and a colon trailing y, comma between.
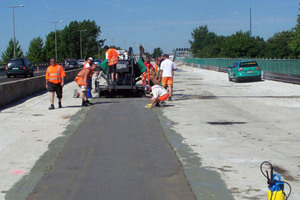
x: 81, y: 41
x: 13, y: 9
x: 61, y: 21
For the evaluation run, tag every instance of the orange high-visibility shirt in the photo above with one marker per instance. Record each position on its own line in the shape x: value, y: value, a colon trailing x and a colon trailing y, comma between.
x: 55, y: 73
x: 112, y: 56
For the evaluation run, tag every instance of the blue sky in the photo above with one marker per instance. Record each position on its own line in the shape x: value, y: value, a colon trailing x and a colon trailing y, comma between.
x: 154, y: 23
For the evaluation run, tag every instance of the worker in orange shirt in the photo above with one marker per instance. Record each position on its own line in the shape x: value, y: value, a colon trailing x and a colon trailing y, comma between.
x: 55, y: 82
x: 83, y: 80
x: 112, y: 57
x: 146, y: 74
x: 88, y: 62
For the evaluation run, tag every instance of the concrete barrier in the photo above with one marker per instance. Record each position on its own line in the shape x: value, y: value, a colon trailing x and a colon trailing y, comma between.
x: 12, y: 91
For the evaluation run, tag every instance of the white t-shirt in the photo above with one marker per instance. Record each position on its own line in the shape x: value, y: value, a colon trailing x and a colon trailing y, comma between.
x: 168, y: 67
x: 87, y: 65
x: 158, y: 91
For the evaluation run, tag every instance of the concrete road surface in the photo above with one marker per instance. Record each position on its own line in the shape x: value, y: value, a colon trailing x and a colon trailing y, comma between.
x: 220, y: 131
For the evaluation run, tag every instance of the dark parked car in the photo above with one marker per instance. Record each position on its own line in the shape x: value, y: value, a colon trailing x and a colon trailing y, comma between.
x: 71, y: 64
x: 97, y: 62
x: 19, y: 66
x: 81, y: 62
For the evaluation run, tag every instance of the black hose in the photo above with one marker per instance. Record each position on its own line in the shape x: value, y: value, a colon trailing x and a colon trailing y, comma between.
x: 265, y: 162
x: 287, y: 196
x: 270, y: 178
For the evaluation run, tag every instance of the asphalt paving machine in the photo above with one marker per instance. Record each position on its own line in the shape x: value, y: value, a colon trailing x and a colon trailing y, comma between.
x: 129, y: 74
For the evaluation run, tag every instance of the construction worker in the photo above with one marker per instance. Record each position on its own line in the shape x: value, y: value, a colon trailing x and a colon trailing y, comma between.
x: 87, y: 64
x: 146, y: 74
x: 157, y: 73
x: 82, y: 79
x: 55, y: 82
x: 160, y: 94
x: 166, y: 74
x: 112, y: 57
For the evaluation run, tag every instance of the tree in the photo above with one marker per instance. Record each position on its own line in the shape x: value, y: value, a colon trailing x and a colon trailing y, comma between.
x: 202, y: 42
x: 241, y: 44
x: 157, y: 52
x: 90, y: 33
x: 36, y: 50
x: 294, y: 43
x: 50, y: 46
x: 277, y: 46
x: 9, y: 53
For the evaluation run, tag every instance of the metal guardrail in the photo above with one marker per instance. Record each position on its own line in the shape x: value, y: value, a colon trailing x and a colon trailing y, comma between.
x: 281, y: 77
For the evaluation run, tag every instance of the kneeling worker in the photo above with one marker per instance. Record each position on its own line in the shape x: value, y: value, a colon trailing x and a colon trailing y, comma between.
x: 82, y: 79
x: 159, y: 94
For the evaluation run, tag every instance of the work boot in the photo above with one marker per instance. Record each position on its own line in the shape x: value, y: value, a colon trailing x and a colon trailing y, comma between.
x: 51, y: 107
x: 162, y: 103
x: 84, y: 104
x: 59, y: 105
x: 157, y: 104
x: 170, y: 99
x: 89, y: 103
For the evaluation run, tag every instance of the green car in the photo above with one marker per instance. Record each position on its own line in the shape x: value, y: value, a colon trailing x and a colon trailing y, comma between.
x: 244, y: 70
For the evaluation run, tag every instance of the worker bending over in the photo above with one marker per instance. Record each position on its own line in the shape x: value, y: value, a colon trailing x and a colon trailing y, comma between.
x: 82, y: 79
x: 112, y: 57
x: 159, y: 94
x: 146, y: 75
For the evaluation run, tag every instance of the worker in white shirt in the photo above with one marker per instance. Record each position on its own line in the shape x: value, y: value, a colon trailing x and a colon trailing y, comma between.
x: 159, y: 94
x: 167, y: 72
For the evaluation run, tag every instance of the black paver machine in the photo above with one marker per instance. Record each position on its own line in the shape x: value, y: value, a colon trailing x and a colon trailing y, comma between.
x: 129, y: 73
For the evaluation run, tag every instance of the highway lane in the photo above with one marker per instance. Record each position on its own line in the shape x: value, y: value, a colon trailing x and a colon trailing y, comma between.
x: 118, y: 152
x: 4, y: 79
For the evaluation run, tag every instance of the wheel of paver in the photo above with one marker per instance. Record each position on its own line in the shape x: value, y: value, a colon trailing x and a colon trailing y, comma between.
x: 230, y: 79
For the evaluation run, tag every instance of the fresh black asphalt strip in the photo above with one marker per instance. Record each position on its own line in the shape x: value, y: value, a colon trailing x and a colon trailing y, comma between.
x: 118, y: 152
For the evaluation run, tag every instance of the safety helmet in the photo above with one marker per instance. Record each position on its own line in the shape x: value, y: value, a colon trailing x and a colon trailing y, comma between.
x: 90, y: 58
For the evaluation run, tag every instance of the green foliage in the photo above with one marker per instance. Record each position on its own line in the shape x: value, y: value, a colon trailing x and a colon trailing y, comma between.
x: 204, y: 43
x: 68, y: 41
x: 294, y: 43
x: 50, y: 46
x: 242, y: 45
x: 9, y: 53
x: 277, y: 46
x: 90, y: 33
x: 157, y: 52
x: 36, y: 50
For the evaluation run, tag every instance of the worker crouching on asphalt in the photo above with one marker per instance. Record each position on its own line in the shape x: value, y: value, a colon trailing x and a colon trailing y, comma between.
x: 55, y: 82
x: 160, y: 94
x: 112, y: 57
x: 82, y: 79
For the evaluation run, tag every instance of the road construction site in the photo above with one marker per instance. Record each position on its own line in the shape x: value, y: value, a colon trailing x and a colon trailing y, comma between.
x: 208, y: 143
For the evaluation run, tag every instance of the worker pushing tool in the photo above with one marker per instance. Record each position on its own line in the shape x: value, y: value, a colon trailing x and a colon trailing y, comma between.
x: 82, y: 80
